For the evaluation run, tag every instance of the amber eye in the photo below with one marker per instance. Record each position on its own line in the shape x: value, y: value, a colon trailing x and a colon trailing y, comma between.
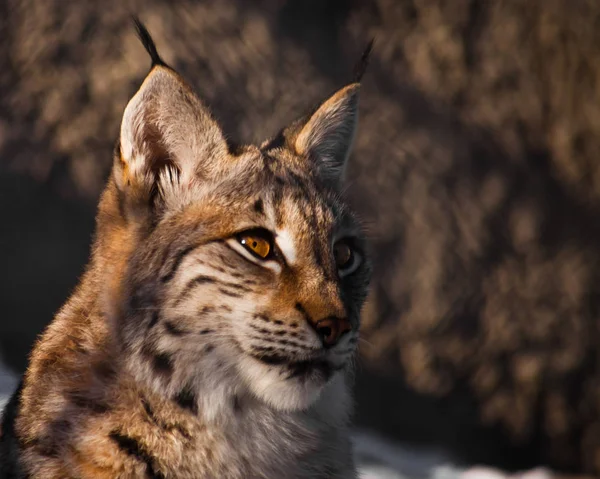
x: 343, y: 255
x: 258, y: 242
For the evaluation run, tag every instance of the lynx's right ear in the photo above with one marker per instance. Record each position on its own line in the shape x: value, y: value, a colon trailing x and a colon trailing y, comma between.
x: 326, y: 137
x: 167, y: 136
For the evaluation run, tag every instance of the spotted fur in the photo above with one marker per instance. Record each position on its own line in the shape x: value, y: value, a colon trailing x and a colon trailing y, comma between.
x: 179, y: 354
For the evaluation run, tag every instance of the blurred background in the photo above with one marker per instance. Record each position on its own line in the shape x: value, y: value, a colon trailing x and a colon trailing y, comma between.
x: 476, y: 168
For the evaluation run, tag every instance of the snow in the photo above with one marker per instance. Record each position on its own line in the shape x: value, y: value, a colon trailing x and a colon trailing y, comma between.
x: 378, y: 458
x: 8, y: 383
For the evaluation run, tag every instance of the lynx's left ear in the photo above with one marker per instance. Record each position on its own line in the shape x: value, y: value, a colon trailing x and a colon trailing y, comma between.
x: 326, y: 138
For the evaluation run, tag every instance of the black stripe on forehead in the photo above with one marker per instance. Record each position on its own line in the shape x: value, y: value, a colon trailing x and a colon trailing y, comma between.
x: 317, y: 219
x: 301, y: 195
x: 293, y: 188
x: 305, y: 190
x: 259, y: 206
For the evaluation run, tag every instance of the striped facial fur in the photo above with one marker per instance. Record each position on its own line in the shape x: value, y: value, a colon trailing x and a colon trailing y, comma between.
x: 248, y: 265
x: 211, y: 331
x: 252, y: 265
x: 260, y: 278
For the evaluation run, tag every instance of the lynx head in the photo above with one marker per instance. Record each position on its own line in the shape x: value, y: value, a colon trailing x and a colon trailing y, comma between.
x: 238, y: 270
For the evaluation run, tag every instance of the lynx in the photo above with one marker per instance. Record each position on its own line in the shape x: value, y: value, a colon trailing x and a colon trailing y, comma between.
x: 214, y: 328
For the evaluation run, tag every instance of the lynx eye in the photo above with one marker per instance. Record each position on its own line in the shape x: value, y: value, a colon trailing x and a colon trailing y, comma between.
x: 257, y: 242
x: 346, y: 258
x: 342, y: 254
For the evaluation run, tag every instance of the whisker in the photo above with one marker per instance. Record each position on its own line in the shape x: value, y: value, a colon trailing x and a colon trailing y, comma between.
x: 168, y: 308
x: 214, y: 332
x: 366, y: 342
x: 268, y: 341
x: 345, y: 351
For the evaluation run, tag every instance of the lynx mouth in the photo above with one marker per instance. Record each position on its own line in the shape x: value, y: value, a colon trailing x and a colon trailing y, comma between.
x: 305, y: 369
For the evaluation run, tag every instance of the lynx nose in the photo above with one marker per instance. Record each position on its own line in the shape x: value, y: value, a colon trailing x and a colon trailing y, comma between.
x: 331, y: 329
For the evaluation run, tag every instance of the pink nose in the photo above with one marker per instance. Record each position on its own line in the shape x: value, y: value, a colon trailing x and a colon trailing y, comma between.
x: 331, y: 329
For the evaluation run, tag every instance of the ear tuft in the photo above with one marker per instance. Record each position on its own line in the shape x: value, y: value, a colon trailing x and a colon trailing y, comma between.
x: 326, y: 138
x: 363, y: 63
x: 148, y: 43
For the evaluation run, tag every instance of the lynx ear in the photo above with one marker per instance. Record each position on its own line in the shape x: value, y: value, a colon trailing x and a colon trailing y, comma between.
x: 326, y: 138
x: 166, y: 134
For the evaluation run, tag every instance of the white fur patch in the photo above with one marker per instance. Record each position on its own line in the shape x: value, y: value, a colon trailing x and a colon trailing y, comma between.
x: 286, y: 245
x: 267, y: 384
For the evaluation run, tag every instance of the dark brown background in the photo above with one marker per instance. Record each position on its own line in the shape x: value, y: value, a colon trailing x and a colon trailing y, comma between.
x: 476, y: 167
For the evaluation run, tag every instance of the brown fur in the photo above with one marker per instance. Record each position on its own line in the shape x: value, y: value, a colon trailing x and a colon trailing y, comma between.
x: 152, y: 369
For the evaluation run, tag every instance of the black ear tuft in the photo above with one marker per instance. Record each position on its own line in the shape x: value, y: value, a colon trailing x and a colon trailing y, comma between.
x: 363, y: 63
x: 148, y: 43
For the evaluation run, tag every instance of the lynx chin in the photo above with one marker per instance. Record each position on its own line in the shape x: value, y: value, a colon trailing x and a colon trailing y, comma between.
x: 213, y: 330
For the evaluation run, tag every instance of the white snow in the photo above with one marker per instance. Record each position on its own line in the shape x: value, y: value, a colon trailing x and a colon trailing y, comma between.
x: 378, y: 458
x: 8, y: 383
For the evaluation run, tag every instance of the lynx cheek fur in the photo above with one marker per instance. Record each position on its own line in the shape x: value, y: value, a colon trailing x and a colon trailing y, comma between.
x: 212, y: 331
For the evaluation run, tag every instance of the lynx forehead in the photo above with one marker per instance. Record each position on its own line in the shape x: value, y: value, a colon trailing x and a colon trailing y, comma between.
x: 220, y: 309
